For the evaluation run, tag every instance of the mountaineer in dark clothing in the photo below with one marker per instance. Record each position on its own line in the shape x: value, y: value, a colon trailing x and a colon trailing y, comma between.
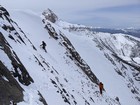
x: 43, y: 45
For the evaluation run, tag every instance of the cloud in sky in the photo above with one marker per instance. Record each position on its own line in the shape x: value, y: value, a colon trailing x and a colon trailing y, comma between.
x: 103, y: 13
x: 117, y: 16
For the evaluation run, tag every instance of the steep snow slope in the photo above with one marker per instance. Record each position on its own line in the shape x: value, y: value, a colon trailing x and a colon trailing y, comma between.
x: 119, y: 72
x: 69, y: 72
x: 105, y: 71
x: 60, y: 76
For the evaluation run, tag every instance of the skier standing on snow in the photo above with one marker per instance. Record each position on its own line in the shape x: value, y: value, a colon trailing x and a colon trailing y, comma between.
x: 101, y: 87
x: 43, y: 45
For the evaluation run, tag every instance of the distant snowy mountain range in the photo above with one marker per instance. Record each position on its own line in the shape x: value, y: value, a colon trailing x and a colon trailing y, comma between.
x: 77, y: 59
x: 129, y: 31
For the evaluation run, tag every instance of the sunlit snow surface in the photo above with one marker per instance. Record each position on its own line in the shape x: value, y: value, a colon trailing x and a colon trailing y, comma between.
x: 56, y: 66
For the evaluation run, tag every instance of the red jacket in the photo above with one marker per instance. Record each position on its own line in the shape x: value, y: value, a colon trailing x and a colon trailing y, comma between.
x: 101, y: 85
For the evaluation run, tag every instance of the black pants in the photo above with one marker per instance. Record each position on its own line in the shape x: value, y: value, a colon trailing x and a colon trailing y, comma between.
x: 101, y: 91
x: 44, y: 49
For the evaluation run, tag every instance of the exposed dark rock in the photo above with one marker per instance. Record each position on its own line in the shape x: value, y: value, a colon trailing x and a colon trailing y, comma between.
x: 10, y: 90
x: 42, y: 99
x: 125, y: 62
x: 72, y: 53
x: 4, y: 11
x: 24, y: 77
x: 10, y: 36
x: 49, y: 15
x: 51, y: 31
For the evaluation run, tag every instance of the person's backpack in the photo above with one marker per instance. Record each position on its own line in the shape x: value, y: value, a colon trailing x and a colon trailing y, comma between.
x: 44, y: 44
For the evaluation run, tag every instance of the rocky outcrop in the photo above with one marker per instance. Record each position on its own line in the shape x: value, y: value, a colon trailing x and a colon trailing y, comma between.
x: 41, y: 99
x: 8, y: 27
x: 19, y: 70
x: 49, y: 15
x: 74, y: 55
x: 71, y: 52
x: 10, y: 90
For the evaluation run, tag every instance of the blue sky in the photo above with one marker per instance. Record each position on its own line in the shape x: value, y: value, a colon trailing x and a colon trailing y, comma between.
x: 125, y: 8
x: 96, y: 13
x: 113, y: 17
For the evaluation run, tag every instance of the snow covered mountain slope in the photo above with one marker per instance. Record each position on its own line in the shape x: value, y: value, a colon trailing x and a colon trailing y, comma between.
x: 122, y: 52
x: 68, y: 74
